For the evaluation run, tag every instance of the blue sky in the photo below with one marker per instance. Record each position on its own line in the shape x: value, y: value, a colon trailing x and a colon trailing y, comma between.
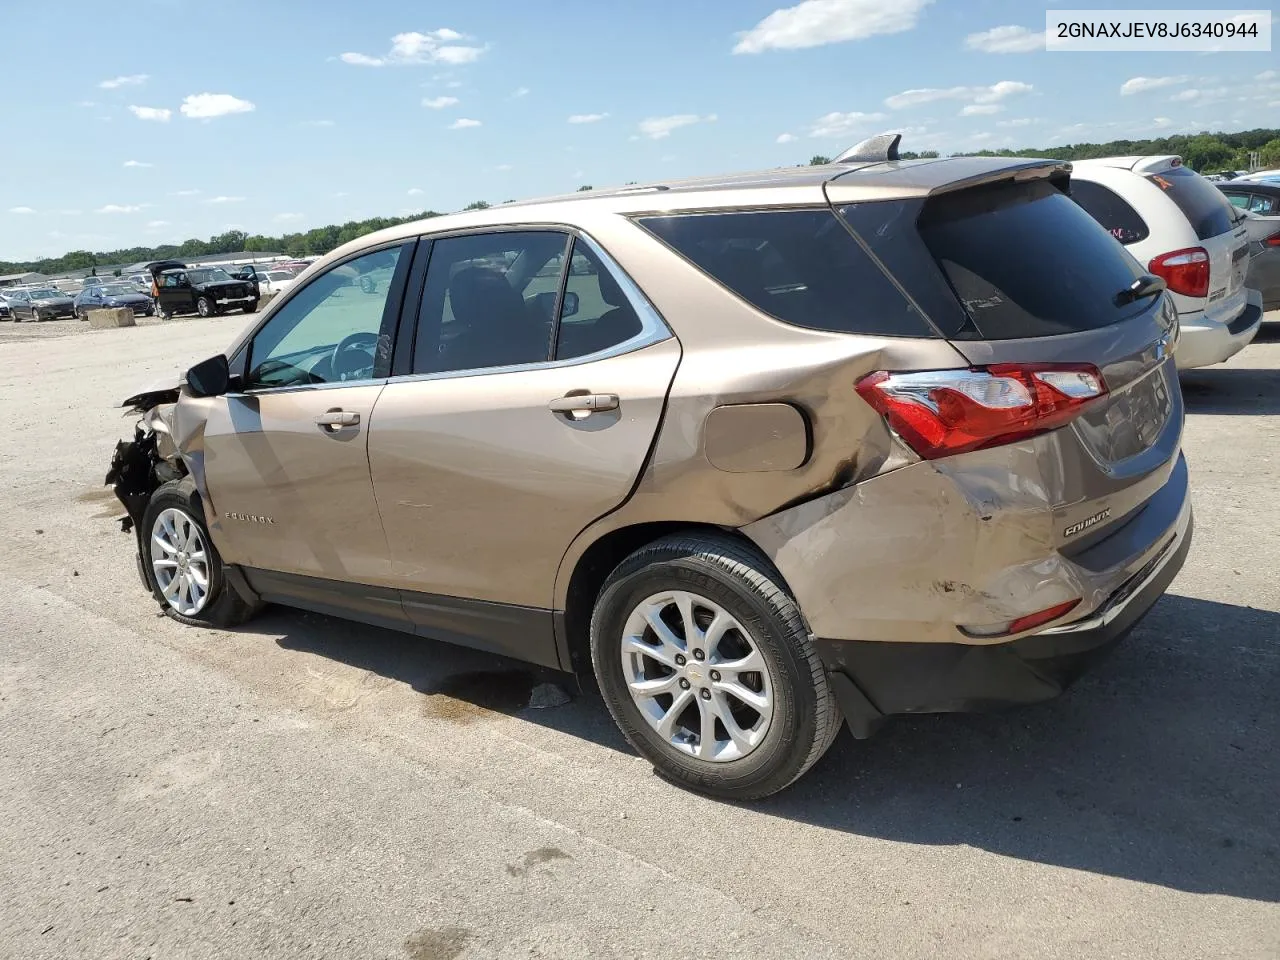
x: 188, y: 118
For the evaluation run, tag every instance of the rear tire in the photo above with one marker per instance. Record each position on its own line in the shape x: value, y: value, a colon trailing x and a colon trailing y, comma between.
x: 182, y: 566
x: 786, y: 717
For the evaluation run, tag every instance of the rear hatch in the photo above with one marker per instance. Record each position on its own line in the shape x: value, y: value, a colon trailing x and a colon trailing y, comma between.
x: 1013, y: 272
x: 1223, y: 238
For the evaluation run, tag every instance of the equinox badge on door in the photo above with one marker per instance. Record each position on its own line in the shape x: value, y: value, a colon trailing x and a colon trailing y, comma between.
x: 1086, y: 523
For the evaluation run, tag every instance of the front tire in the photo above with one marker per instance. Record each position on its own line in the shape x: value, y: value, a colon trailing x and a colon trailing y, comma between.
x: 204, y: 307
x: 183, y: 567
x: 707, y: 666
x: 251, y: 307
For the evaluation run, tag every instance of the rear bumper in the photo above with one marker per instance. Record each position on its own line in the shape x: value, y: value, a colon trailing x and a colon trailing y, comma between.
x: 1206, y: 340
x: 880, y: 679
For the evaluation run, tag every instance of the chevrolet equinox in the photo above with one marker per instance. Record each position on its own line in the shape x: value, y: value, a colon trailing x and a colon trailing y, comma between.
x: 760, y: 452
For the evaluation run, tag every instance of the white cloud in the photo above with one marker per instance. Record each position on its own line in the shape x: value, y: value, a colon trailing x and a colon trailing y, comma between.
x: 992, y: 94
x: 159, y: 114
x: 438, y: 103
x: 1199, y: 96
x: 416, y: 191
x: 1143, y: 84
x: 286, y: 217
x: 184, y: 193
x: 342, y: 193
x: 437, y: 46
x: 980, y: 109
x: 814, y: 23
x: 154, y: 224
x: 836, y: 124
x: 206, y: 106
x: 21, y: 210
x: 132, y: 80
x: 137, y: 163
x: 658, y: 128
x: 463, y: 123
x: 587, y: 117
x: 785, y: 138
x: 1018, y: 122
x: 520, y: 92
x: 119, y: 208
x: 1005, y: 40
x: 1267, y: 75
x: 319, y: 123
x: 504, y: 167
x: 221, y: 198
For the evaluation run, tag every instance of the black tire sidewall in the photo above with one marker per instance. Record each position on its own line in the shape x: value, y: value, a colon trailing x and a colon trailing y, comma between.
x: 778, y: 759
x: 181, y: 495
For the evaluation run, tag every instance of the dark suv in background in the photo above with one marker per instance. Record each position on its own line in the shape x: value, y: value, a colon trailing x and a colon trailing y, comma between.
x: 207, y: 291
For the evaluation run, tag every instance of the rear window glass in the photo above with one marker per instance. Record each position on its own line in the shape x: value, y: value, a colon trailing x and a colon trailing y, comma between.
x: 1026, y: 261
x: 800, y: 266
x: 1111, y: 210
x: 1200, y: 201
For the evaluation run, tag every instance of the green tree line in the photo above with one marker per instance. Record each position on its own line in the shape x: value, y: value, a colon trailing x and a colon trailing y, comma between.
x: 1203, y: 152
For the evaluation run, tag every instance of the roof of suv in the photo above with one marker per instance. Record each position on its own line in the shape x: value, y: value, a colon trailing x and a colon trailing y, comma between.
x: 803, y: 185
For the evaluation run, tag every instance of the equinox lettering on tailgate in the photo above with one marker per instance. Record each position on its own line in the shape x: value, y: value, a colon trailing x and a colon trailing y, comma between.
x: 1086, y: 523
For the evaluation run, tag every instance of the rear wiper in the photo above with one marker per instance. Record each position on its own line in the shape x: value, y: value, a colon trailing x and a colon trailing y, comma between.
x: 1147, y: 285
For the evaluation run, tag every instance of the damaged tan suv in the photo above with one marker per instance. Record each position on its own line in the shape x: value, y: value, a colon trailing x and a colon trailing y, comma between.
x: 759, y: 453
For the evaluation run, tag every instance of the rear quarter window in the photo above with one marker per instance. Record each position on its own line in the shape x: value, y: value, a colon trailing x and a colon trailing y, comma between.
x: 802, y: 267
x: 1199, y: 200
x: 1111, y: 210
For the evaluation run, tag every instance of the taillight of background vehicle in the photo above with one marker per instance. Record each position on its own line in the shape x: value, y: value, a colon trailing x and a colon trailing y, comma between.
x: 1185, y: 271
x: 1272, y: 241
x: 940, y: 413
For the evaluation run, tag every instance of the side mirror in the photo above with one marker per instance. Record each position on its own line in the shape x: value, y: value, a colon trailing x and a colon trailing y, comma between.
x: 570, y: 304
x: 209, y: 378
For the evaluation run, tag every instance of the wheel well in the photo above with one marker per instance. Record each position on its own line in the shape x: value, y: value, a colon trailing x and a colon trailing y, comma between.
x: 594, y: 567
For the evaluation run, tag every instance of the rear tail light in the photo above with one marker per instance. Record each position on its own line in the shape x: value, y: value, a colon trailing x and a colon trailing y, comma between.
x: 1272, y: 241
x: 1185, y: 271
x: 944, y: 412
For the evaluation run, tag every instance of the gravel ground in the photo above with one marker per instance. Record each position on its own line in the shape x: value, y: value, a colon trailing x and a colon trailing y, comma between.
x: 304, y: 787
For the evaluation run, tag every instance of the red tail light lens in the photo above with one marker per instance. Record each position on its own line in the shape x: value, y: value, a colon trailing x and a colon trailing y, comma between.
x: 1273, y: 240
x: 1185, y: 271
x: 940, y: 413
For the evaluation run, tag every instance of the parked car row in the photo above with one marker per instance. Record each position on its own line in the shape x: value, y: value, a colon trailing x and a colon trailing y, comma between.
x: 1183, y: 230
x: 759, y: 453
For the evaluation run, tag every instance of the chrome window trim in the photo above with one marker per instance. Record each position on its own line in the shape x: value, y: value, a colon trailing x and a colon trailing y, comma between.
x: 653, y: 329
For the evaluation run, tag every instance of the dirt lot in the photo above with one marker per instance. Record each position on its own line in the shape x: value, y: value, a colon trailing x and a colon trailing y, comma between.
x: 304, y: 787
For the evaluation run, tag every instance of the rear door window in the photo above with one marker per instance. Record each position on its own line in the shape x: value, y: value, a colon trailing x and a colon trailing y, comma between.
x: 1025, y: 260
x: 801, y: 266
x: 1111, y: 210
x: 1199, y: 200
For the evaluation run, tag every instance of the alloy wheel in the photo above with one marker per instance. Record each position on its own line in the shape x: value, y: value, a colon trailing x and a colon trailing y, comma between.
x: 697, y: 676
x: 180, y: 561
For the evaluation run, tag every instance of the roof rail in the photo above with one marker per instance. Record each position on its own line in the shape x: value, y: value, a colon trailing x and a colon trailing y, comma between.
x: 872, y: 150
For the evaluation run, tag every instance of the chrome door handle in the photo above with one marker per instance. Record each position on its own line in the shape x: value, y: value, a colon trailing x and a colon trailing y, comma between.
x: 584, y: 403
x: 338, y: 418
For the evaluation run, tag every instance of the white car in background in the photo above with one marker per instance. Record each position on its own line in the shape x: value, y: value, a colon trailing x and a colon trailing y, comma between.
x: 1182, y: 229
x: 274, y: 281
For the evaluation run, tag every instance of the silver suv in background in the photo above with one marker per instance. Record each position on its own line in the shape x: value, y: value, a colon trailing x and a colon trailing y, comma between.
x: 1178, y: 225
x: 756, y: 452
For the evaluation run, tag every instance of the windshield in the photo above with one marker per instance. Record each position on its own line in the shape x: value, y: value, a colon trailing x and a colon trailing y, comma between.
x: 279, y: 275
x: 205, y: 276
x: 43, y: 294
x: 117, y: 290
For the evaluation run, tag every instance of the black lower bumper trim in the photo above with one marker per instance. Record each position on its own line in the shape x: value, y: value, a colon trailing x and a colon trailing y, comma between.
x: 1250, y: 315
x: 871, y: 678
